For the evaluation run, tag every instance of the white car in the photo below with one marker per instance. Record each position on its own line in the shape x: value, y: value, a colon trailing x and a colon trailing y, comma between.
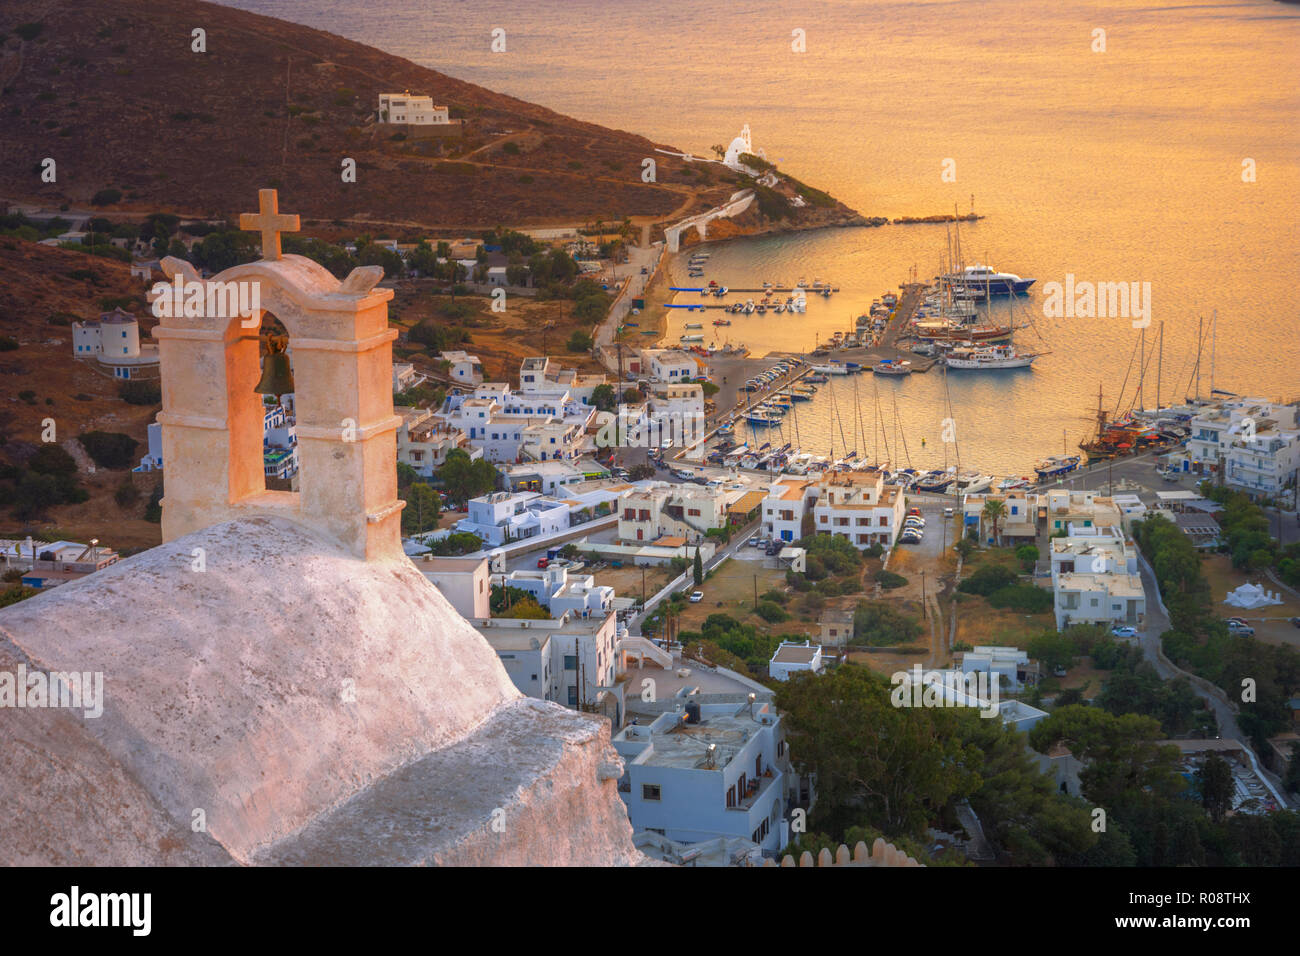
x: 697, y: 597
x: 1124, y: 631
x: 914, y: 520
x: 947, y: 512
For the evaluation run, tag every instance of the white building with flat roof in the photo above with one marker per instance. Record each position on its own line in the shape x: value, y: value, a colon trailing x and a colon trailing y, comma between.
x: 859, y: 506
x: 414, y: 110
x: 512, y: 516
x: 424, y: 440
x: 787, y: 506
x: 571, y: 660
x: 658, y: 509
x: 560, y: 592
x: 1095, y: 578
x: 463, y: 581
x: 793, y: 658
x: 465, y: 369
x: 711, y: 771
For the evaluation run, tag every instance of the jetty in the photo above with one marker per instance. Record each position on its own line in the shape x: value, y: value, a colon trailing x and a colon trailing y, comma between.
x: 903, y: 312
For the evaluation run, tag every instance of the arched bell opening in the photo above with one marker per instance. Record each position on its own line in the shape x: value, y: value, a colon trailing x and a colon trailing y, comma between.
x: 261, y: 393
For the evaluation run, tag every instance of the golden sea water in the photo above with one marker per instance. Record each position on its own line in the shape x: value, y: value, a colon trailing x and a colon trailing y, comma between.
x: 1122, y: 165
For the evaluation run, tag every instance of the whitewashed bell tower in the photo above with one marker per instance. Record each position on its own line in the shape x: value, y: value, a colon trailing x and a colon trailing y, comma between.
x: 347, y: 433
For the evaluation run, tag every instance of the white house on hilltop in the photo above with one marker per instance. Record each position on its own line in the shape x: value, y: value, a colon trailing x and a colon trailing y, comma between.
x: 414, y: 110
x: 114, y: 341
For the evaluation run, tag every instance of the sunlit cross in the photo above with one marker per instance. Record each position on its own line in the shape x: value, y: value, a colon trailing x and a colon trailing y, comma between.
x: 269, y: 221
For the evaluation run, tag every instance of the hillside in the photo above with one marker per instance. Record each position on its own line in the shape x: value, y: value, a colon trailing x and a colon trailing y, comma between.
x: 114, y: 94
x: 42, y: 290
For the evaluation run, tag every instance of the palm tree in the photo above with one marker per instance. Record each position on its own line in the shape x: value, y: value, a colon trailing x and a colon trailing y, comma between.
x: 993, y: 511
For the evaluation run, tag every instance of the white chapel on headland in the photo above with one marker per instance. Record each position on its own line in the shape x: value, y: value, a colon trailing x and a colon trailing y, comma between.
x: 280, y: 684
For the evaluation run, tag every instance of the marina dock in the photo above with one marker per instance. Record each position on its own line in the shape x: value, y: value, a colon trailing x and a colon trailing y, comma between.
x: 903, y: 312
x: 806, y: 290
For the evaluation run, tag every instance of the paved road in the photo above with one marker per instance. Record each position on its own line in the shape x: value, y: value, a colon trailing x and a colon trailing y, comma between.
x: 639, y: 257
x: 1156, y: 624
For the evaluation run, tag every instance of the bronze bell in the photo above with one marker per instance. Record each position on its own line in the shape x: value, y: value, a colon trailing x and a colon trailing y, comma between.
x: 277, y: 375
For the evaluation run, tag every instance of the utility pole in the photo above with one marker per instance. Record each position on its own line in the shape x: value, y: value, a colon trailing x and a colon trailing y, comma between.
x: 643, y: 587
x: 925, y: 611
x: 756, y: 591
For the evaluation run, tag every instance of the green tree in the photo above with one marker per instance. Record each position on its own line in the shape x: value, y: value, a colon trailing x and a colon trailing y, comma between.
x: 464, y: 479
x: 1122, y: 754
x: 602, y: 397
x: 890, y: 767
x: 579, y: 341
x: 993, y: 511
x: 1053, y: 649
x: 421, y: 511
x: 1215, y: 780
x: 697, y: 570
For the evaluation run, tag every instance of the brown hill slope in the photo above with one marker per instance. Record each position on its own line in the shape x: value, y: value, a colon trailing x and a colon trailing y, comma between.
x: 114, y: 94
x: 42, y: 290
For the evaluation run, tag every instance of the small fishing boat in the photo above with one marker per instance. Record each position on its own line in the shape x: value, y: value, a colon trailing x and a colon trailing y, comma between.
x: 1013, y: 484
x: 1055, y: 466
x: 722, y: 321
x: 891, y: 367
x: 694, y: 325
x: 763, y: 418
x: 691, y: 338
x: 934, y: 482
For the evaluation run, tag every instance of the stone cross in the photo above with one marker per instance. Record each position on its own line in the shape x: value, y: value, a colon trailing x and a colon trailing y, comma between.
x: 269, y: 221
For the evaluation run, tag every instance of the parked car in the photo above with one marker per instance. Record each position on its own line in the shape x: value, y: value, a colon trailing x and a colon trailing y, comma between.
x: 1121, y: 630
x: 697, y: 597
x: 914, y: 519
x: 1295, y: 621
x: 1240, y: 630
x: 1170, y: 475
x: 947, y: 512
x: 543, y: 563
x: 914, y: 512
x: 773, y: 548
x: 910, y: 537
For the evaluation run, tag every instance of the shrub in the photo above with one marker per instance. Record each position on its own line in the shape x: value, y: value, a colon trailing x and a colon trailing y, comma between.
x: 771, y: 612
x: 829, y: 587
x: 889, y: 580
x: 964, y: 547
x: 106, y: 197
x: 126, y: 493
x: 776, y: 597
x: 812, y: 605
x: 987, y: 579
x: 7, y: 344
x: 109, y: 449
x: 579, y: 341
x: 1022, y: 597
x: 140, y: 392
x: 798, y: 581
x: 882, y: 626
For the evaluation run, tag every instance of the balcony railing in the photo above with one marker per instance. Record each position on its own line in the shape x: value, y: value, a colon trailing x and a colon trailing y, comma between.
x: 753, y: 796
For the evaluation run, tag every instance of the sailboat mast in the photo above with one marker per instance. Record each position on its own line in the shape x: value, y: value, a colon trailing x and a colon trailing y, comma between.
x: 1214, y: 340
x: 1200, y: 338
x: 1142, y: 365
x: 1160, y: 363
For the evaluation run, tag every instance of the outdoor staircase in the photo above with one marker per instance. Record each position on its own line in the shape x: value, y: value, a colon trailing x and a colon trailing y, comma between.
x: 647, y: 649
